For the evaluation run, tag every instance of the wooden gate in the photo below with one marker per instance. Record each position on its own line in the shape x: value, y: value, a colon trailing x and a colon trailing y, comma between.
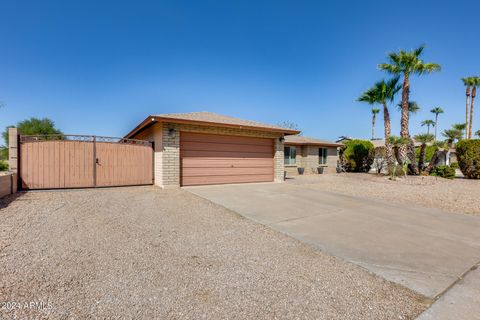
x: 73, y: 161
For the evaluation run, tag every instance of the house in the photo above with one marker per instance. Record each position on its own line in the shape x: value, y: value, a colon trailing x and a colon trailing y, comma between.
x: 313, y: 155
x: 201, y: 148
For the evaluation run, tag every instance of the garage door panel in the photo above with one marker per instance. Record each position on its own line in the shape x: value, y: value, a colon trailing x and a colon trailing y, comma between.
x: 210, y: 146
x: 215, y: 138
x: 218, y: 159
x: 206, y: 162
x: 192, y: 181
x: 225, y: 154
x: 198, y: 172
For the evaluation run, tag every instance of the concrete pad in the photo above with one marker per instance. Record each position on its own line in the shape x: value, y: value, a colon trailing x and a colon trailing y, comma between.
x: 423, y: 249
x: 461, y: 302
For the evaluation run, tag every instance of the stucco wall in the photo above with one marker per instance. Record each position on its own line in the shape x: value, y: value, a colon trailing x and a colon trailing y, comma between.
x: 8, y: 184
x: 166, y: 137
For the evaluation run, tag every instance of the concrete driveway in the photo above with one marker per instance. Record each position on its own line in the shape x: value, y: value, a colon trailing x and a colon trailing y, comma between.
x: 423, y: 249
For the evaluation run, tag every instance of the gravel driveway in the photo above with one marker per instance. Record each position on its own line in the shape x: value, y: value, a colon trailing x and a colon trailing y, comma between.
x: 148, y: 253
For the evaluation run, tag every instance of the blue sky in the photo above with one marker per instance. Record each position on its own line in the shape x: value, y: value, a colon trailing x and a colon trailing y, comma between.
x: 100, y: 67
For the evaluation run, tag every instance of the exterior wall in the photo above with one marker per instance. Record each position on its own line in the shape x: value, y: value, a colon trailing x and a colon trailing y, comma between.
x: 167, y: 148
x: 307, y: 157
x: 154, y: 134
x: 8, y: 184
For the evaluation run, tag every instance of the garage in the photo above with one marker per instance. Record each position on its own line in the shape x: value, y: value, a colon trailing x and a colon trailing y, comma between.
x: 218, y: 159
x: 205, y: 148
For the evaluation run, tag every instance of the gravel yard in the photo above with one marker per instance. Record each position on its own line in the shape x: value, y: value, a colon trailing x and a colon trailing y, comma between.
x: 458, y: 195
x: 147, y: 253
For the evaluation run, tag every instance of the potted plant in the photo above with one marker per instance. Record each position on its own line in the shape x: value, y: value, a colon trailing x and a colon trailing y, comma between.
x: 300, y: 170
x: 320, y: 170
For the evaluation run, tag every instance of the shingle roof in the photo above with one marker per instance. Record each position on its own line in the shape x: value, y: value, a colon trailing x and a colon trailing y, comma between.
x: 300, y: 140
x: 210, y: 118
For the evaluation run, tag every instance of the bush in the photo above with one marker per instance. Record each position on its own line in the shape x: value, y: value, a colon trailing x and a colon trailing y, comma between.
x: 468, y: 157
x: 3, y: 165
x: 454, y: 165
x: 357, y: 155
x: 429, y: 152
x: 444, y: 172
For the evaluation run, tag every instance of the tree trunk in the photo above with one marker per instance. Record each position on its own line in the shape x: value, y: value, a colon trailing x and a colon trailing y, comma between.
x: 433, y: 161
x: 388, y: 129
x: 436, y: 125
x: 428, y: 129
x: 421, y: 157
x: 405, y: 95
x: 467, y: 93
x: 474, y: 93
x: 373, y: 126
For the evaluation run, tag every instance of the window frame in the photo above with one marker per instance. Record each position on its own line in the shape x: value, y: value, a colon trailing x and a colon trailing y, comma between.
x: 287, y: 157
x: 322, y: 156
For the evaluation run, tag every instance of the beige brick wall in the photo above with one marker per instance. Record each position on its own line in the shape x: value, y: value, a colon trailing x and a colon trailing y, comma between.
x: 167, y: 165
x: 154, y: 134
x: 307, y: 157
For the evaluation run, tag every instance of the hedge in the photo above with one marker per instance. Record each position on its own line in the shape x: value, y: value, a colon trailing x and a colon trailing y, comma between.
x: 356, y: 153
x: 468, y: 157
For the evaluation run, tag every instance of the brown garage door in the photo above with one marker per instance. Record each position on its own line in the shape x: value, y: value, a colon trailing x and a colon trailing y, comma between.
x: 72, y: 161
x: 217, y: 159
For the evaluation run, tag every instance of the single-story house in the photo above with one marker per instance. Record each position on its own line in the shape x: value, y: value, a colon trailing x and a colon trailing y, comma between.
x: 313, y: 155
x: 201, y: 148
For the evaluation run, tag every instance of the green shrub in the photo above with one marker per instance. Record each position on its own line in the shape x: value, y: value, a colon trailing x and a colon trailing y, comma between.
x: 468, y: 157
x: 357, y: 155
x: 443, y: 171
x: 3, y: 165
x: 454, y: 165
x: 429, y: 152
x: 3, y: 153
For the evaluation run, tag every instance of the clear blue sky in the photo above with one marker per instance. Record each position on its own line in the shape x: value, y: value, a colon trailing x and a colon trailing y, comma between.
x: 100, y: 67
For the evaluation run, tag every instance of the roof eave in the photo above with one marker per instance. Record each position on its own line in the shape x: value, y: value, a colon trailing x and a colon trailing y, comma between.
x: 152, y: 119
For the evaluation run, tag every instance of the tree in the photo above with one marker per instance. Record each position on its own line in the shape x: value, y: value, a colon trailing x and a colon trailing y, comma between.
x: 436, y: 111
x: 454, y: 134
x: 374, y: 118
x: 408, y: 63
x: 288, y: 125
x: 475, y: 84
x: 467, y: 82
x: 398, y: 144
x: 423, y: 139
x: 428, y: 123
x: 34, y: 126
x: 413, y: 107
x: 382, y: 93
x: 477, y: 133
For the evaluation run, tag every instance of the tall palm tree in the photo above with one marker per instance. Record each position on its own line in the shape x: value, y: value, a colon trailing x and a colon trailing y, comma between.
x: 436, y: 111
x: 374, y: 119
x: 382, y: 93
x: 454, y: 134
x: 467, y: 82
x: 428, y: 123
x: 398, y: 144
x: 413, y: 107
x: 408, y: 63
x: 475, y: 83
x: 423, y: 139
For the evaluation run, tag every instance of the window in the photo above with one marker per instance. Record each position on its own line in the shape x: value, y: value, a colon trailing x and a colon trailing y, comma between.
x: 322, y: 155
x: 290, y: 155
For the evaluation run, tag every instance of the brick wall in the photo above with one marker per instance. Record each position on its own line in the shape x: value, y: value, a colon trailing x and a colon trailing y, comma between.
x: 307, y: 157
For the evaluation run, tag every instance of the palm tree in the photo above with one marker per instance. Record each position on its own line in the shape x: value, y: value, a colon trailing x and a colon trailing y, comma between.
x: 423, y: 139
x: 408, y: 63
x: 413, y: 107
x: 398, y: 144
x: 382, y: 93
x: 475, y: 83
x: 454, y: 134
x: 467, y: 82
x: 436, y: 111
x: 428, y: 123
x: 477, y: 133
x: 374, y: 119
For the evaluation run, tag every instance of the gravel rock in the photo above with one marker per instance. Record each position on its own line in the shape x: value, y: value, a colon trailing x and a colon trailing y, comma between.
x: 458, y: 195
x: 146, y: 253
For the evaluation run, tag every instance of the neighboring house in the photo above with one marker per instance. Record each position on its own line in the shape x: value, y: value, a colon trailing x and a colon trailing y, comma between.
x: 310, y: 154
x: 206, y: 148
